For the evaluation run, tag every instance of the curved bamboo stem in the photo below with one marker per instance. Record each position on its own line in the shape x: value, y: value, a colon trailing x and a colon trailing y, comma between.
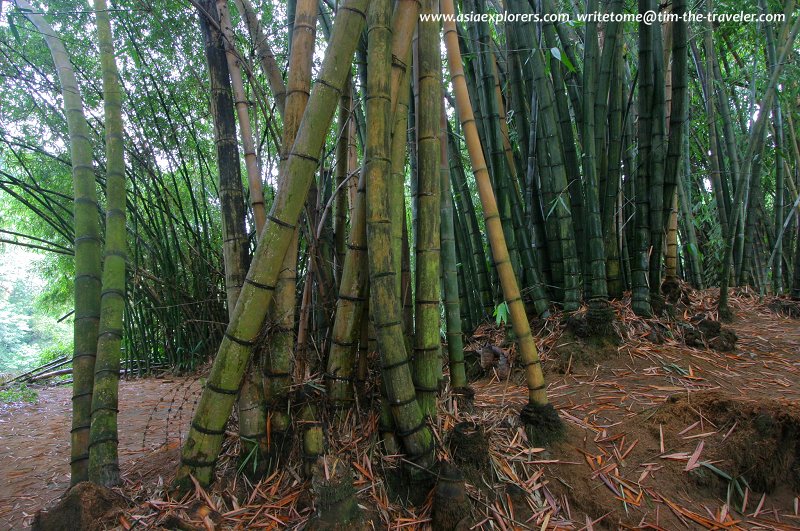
x: 87, y: 249
x: 204, y: 440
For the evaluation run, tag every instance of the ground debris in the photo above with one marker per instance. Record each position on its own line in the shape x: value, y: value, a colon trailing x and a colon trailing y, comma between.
x: 649, y: 432
x: 703, y: 332
x: 86, y: 506
x: 785, y: 307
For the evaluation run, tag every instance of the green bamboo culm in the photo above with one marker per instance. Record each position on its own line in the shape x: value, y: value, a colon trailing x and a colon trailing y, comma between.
x: 87, y: 248
x: 203, y: 443
x: 658, y: 202
x: 385, y: 303
x: 340, y: 206
x: 397, y: 186
x: 277, y: 372
x: 452, y: 304
x: 214, y: 22
x: 600, y: 314
x: 542, y: 422
x: 103, y: 459
x: 349, y: 308
x: 235, y: 245
x: 640, y: 292
x: 427, y: 343
x: 353, y: 289
x: 754, y: 141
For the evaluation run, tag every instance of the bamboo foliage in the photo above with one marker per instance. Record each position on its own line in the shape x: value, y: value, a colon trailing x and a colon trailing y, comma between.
x: 597, y: 168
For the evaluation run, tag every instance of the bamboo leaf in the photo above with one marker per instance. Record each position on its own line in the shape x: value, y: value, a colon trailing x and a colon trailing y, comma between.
x: 501, y: 313
x: 563, y: 58
x: 692, y: 248
x: 13, y: 28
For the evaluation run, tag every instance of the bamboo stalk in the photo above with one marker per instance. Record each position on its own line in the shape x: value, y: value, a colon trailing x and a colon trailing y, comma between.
x: 452, y: 304
x: 427, y: 342
x: 103, y: 459
x: 530, y: 357
x: 265, y: 54
x: 204, y: 440
x: 242, y: 113
x: 384, y: 301
x: 86, y: 247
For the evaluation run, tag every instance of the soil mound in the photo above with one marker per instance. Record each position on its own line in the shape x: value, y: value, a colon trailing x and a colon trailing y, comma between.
x: 785, y: 307
x: 708, y: 333
x: 758, y: 441
x: 86, y: 506
x: 469, y: 446
x: 572, y: 351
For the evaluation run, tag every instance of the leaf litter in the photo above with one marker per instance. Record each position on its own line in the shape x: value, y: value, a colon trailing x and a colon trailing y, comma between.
x: 659, y: 436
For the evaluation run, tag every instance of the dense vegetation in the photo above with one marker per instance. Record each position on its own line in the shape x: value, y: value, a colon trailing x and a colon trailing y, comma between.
x: 29, y: 334
x: 313, y: 238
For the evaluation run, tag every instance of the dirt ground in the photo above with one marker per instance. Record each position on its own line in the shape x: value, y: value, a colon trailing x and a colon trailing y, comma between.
x: 659, y: 436
x: 666, y: 436
x: 34, y: 439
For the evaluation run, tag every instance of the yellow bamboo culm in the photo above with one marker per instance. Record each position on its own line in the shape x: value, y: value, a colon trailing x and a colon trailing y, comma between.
x: 537, y: 395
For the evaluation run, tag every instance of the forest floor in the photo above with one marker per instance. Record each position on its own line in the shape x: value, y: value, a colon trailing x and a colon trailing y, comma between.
x: 34, y: 440
x: 660, y: 435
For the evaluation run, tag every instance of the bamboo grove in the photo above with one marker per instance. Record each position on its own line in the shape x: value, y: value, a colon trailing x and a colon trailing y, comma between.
x: 318, y: 202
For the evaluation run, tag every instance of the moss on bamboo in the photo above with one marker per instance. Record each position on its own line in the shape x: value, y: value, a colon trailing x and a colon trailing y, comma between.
x: 103, y: 460
x: 87, y: 250
x: 384, y: 301
x: 205, y: 438
x: 427, y: 344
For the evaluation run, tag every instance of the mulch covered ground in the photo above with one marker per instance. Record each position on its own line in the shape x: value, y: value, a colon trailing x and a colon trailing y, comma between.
x: 659, y: 436
x: 34, y: 439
